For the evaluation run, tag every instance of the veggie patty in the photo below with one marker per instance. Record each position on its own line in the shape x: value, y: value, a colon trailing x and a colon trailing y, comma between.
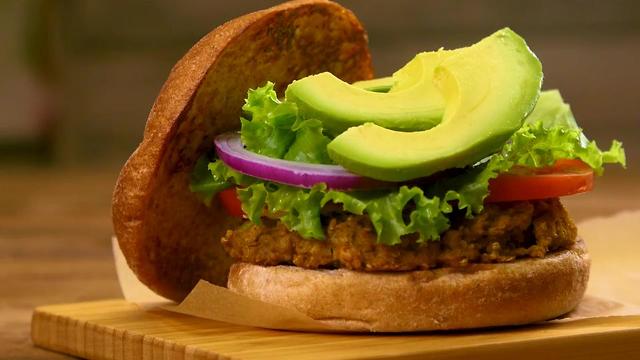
x: 500, y: 233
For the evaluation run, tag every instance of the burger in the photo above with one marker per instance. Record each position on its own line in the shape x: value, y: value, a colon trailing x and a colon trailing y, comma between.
x: 273, y: 163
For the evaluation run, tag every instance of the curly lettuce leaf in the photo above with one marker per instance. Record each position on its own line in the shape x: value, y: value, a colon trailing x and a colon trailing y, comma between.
x: 298, y: 209
x: 253, y: 199
x: 209, y: 178
x: 274, y: 128
x: 387, y: 208
x: 534, y: 145
x: 310, y: 145
x: 266, y: 124
x: 552, y: 111
x: 469, y: 187
x: 550, y: 133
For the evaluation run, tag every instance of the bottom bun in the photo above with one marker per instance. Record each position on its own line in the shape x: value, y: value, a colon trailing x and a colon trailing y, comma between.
x: 480, y: 295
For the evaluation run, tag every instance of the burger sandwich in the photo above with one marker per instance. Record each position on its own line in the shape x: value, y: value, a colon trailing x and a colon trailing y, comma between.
x: 273, y: 163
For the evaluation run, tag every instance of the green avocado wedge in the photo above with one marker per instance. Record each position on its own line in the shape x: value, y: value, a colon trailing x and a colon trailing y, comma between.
x: 380, y: 85
x: 418, y: 105
x: 488, y: 88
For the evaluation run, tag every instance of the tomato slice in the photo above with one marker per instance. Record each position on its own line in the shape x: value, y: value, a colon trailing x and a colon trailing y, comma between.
x: 230, y: 201
x: 565, y: 177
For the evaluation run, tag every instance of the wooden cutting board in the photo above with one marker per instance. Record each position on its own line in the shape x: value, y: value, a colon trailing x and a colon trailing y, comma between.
x: 116, y: 329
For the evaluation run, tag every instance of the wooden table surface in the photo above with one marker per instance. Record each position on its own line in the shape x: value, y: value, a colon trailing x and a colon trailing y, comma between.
x: 55, y: 231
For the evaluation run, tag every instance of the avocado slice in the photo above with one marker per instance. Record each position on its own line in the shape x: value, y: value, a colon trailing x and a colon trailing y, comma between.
x: 381, y: 85
x: 489, y: 88
x: 405, y: 77
x: 418, y: 105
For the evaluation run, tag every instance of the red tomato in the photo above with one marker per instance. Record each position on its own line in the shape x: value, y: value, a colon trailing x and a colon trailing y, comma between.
x: 565, y: 177
x: 230, y: 201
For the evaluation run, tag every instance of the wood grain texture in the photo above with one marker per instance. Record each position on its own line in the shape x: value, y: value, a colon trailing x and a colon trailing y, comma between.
x: 115, y: 329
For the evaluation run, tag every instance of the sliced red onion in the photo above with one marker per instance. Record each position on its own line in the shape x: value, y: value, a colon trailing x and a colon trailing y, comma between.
x: 231, y: 151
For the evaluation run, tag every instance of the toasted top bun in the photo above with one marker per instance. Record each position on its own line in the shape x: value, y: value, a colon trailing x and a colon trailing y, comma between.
x: 169, y: 238
x: 482, y: 295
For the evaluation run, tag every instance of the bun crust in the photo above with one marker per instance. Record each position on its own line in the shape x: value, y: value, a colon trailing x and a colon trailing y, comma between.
x: 481, y: 295
x: 169, y: 238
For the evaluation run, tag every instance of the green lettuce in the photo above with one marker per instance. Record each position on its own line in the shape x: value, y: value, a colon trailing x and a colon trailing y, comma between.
x: 552, y: 111
x: 299, y: 209
x: 310, y: 145
x: 386, y: 210
x: 274, y: 128
x: 550, y: 132
x: 533, y: 145
x: 210, y: 177
x: 468, y: 188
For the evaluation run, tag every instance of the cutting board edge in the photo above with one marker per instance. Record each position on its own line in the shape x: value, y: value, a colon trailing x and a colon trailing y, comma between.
x: 56, y: 330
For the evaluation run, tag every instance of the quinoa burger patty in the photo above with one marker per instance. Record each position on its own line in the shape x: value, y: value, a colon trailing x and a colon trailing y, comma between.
x: 501, y: 233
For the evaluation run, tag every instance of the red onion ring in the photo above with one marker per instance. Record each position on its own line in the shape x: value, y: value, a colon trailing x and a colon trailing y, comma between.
x: 231, y: 151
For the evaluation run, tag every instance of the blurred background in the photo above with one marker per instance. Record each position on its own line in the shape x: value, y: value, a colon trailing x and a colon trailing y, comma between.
x: 79, y: 77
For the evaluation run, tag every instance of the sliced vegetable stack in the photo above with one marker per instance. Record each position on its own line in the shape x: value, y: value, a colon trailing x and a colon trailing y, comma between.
x: 459, y: 137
